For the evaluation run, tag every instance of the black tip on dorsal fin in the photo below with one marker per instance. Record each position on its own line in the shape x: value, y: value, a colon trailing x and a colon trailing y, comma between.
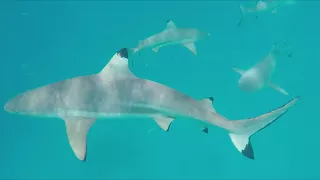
x: 211, y: 99
x: 169, y: 20
x: 248, y: 151
x: 123, y: 53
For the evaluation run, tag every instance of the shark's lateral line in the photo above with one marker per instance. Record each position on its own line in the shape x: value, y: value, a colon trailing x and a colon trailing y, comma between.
x: 263, y: 6
x: 172, y: 35
x: 115, y: 93
x: 260, y: 74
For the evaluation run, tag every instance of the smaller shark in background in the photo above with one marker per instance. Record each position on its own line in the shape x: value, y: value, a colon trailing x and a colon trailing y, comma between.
x: 172, y: 35
x: 260, y: 74
x: 264, y: 6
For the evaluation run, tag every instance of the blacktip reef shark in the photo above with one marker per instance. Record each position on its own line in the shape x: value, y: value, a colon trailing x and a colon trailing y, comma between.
x: 172, y: 35
x: 116, y: 92
x: 264, y: 6
x: 259, y: 75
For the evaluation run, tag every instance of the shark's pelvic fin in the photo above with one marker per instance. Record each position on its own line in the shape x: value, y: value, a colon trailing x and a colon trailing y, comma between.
x: 118, y: 67
x: 240, y: 71
x: 244, y: 129
x: 163, y: 122
x: 170, y: 24
x: 277, y: 88
x: 191, y: 46
x: 77, y: 130
x: 156, y: 49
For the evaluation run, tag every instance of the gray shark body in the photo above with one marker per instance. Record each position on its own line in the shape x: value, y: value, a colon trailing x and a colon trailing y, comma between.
x: 259, y: 76
x: 270, y: 6
x: 172, y: 35
x: 116, y: 93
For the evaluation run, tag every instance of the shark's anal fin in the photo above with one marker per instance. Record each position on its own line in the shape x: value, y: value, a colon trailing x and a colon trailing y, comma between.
x: 277, y: 88
x: 117, y: 67
x: 77, y: 130
x: 191, y: 46
x: 163, y: 122
x: 240, y: 71
x: 170, y: 24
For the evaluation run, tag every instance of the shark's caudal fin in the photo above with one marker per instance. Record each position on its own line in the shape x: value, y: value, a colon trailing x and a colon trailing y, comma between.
x: 242, y: 14
x: 244, y: 129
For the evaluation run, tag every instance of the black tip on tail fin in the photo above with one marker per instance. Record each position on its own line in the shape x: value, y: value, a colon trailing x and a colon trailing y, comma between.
x: 248, y: 151
x: 124, y: 53
x: 211, y: 99
x: 246, y: 128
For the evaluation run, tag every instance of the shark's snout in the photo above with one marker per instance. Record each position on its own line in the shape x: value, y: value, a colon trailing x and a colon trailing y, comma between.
x: 8, y: 107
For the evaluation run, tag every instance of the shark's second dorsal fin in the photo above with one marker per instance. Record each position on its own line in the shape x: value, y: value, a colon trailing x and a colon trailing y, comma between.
x: 207, y: 102
x: 170, y: 24
x: 118, y: 67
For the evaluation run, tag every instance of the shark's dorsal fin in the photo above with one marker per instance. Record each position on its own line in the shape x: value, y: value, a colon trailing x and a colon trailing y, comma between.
x: 118, y: 67
x: 170, y: 24
x: 208, y: 102
x: 77, y: 130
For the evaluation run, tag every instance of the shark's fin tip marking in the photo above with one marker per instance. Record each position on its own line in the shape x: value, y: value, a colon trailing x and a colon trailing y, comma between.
x: 123, y: 53
x: 248, y: 151
x: 211, y: 99
x: 205, y: 130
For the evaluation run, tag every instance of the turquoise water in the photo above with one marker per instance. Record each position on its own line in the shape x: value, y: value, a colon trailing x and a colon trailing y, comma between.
x: 45, y: 42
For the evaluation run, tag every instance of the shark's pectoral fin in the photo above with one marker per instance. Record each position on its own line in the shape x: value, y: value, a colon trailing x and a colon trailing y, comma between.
x: 156, y: 49
x: 276, y: 87
x: 77, y: 130
x: 191, y: 46
x: 163, y: 122
x: 240, y: 71
x: 170, y: 24
x: 117, y: 67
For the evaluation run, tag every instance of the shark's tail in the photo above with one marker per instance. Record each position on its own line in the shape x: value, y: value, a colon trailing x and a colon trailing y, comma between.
x: 244, y: 129
x: 243, y: 12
